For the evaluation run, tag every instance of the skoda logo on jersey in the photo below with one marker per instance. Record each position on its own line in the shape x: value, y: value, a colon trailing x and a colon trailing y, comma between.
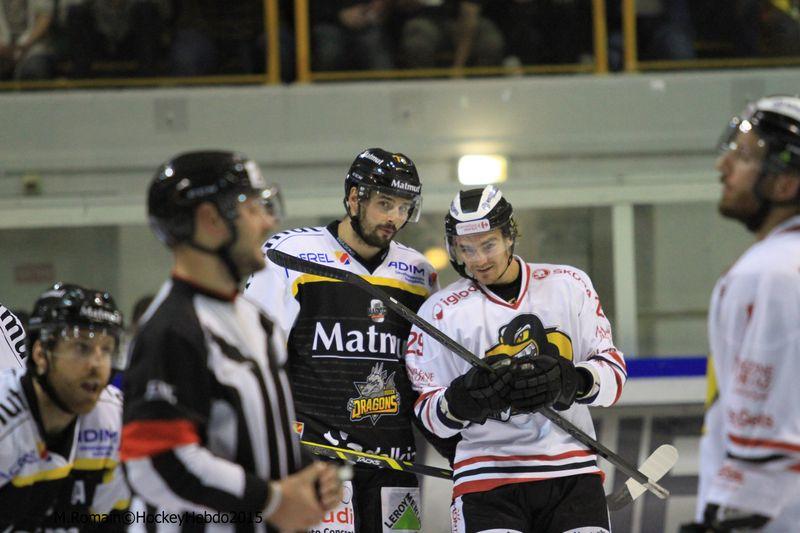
x: 342, y: 257
x: 376, y: 311
x: 377, y: 397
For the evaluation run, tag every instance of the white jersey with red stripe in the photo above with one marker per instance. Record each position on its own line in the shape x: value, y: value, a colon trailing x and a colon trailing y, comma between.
x: 754, y: 335
x: 557, y: 304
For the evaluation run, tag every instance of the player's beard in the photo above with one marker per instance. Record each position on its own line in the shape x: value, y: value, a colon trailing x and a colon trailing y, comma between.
x: 373, y: 236
x: 741, y: 205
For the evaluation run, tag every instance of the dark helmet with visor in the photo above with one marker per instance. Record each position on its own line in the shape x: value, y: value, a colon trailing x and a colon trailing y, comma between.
x: 776, y: 121
x: 181, y: 184
x: 68, y: 311
x: 394, y: 174
x: 477, y: 211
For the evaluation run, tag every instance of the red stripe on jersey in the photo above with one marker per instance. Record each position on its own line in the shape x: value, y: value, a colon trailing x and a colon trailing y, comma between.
x: 422, y: 397
x: 619, y: 385
x: 542, y: 457
x: 617, y: 359
x: 526, y: 278
x: 764, y: 443
x: 484, y: 485
x: 145, y: 438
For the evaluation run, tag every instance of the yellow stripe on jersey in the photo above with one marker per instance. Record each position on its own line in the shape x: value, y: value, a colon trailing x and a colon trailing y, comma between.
x: 43, y: 475
x: 374, y: 280
x: 711, y: 383
x: 63, y: 471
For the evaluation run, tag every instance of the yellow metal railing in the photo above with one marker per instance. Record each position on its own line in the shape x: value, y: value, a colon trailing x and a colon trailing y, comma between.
x: 305, y: 74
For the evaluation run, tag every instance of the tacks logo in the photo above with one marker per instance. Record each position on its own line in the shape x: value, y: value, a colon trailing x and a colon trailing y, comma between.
x: 342, y: 257
x: 378, y: 396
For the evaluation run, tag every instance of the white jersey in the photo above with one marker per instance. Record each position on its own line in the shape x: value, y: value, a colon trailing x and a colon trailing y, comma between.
x: 754, y: 335
x: 57, y: 488
x: 12, y: 340
x: 557, y: 305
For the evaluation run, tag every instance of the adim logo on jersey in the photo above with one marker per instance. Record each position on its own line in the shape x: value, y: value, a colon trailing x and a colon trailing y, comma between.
x: 378, y: 396
x: 526, y: 335
x: 343, y: 257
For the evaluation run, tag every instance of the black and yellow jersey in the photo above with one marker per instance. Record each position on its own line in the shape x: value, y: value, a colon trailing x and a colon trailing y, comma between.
x: 63, y: 486
x: 346, y: 360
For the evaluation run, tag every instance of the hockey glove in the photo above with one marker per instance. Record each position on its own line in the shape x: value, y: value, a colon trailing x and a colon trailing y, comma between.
x: 542, y: 380
x: 726, y: 519
x: 479, y: 393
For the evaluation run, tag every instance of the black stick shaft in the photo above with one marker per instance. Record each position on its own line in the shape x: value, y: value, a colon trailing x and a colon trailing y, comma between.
x: 300, y: 265
x: 375, y: 461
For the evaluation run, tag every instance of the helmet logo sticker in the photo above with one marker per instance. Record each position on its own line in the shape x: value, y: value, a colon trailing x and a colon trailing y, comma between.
x: 476, y: 226
x: 366, y: 154
x: 378, y: 396
x: 405, y: 186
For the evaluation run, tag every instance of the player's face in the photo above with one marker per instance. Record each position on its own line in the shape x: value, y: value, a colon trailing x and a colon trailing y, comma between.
x: 485, y: 255
x: 739, y: 169
x: 381, y: 216
x: 80, y: 367
x: 254, y: 223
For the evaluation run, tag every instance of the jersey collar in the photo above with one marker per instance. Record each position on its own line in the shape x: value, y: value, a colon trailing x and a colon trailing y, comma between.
x: 524, y: 272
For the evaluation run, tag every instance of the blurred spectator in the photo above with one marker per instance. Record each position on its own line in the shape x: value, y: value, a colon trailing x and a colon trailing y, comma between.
x: 113, y: 30
x: 439, y: 30
x: 350, y: 34
x: 780, y: 30
x: 544, y: 31
x: 664, y: 31
x: 219, y: 36
x: 25, y: 48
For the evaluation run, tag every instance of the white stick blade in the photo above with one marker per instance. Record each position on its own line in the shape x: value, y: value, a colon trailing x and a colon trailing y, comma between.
x: 654, y: 467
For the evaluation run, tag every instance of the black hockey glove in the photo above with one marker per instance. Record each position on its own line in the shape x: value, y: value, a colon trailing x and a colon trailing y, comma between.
x: 479, y: 393
x: 726, y: 519
x: 542, y: 380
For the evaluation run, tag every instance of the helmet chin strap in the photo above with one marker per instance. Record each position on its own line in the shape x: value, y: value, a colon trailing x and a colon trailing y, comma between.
x: 48, y: 389
x: 756, y: 220
x: 223, y: 253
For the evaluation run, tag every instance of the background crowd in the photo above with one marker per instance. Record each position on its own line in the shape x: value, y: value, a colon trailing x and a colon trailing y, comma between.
x: 46, y: 39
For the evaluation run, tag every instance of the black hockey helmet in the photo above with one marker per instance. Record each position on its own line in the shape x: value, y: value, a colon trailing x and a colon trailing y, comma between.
x: 478, y: 211
x: 776, y: 121
x: 189, y: 179
x: 376, y: 169
x: 67, y: 305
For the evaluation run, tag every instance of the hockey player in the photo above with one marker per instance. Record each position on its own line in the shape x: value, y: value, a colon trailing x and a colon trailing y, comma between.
x: 60, y: 420
x: 208, y: 411
x: 345, y: 355
x: 12, y: 340
x: 542, y: 329
x: 750, y: 452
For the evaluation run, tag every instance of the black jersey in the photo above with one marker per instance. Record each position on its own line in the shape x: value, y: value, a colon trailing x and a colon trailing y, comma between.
x: 346, y: 358
x: 57, y: 483
x: 208, y: 410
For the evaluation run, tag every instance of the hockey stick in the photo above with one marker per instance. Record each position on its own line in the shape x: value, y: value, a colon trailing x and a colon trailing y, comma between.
x: 654, y: 467
x: 301, y: 265
x: 373, y: 460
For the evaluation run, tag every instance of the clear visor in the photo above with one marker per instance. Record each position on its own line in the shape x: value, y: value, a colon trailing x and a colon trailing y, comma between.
x: 477, y: 250
x: 740, y: 138
x: 388, y: 200
x: 270, y: 199
x: 83, y: 343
